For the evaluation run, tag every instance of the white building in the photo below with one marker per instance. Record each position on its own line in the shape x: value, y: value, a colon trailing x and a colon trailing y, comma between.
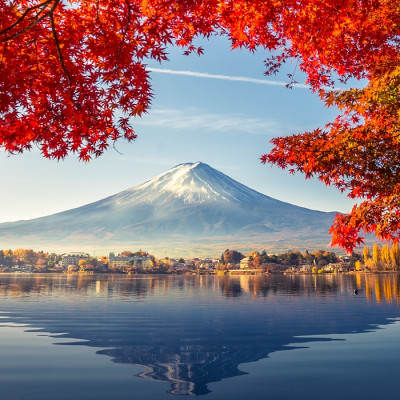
x: 245, y: 263
x: 72, y: 258
x: 125, y: 262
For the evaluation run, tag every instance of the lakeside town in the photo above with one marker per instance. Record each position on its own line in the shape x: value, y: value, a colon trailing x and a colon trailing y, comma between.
x: 380, y: 258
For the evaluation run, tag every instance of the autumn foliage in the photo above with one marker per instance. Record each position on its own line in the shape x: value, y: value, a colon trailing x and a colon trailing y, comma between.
x: 73, y: 73
x: 359, y: 151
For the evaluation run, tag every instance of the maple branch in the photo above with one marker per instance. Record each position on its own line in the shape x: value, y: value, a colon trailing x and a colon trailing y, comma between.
x: 97, y: 21
x: 26, y: 12
x: 128, y: 20
x: 3, y: 53
x: 34, y: 23
x: 57, y: 42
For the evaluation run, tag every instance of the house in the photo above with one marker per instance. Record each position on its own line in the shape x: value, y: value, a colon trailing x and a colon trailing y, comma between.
x: 332, y: 267
x: 245, y: 263
x: 306, y: 268
x: 345, y: 260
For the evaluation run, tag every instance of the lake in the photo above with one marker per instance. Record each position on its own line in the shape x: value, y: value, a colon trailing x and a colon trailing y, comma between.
x: 161, y: 337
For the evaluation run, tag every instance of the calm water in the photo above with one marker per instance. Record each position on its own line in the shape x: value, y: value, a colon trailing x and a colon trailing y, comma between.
x: 159, y: 337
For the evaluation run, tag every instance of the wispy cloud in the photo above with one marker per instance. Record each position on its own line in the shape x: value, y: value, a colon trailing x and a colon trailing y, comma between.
x: 196, y: 119
x: 226, y: 77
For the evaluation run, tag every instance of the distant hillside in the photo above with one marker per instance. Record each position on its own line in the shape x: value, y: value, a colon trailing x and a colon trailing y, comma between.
x: 190, y: 208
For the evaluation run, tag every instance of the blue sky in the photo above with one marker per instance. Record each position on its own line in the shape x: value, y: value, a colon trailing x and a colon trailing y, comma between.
x: 218, y: 108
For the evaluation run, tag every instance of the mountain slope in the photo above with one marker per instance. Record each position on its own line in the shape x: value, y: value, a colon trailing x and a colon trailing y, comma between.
x: 192, y: 201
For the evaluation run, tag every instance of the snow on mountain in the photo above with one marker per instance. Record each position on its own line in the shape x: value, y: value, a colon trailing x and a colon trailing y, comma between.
x: 189, y: 183
x: 191, y: 200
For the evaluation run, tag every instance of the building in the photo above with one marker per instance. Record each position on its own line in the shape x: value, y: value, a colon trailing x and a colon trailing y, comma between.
x: 72, y: 258
x: 245, y: 263
x: 306, y: 268
x: 121, y: 262
x: 126, y: 262
x: 345, y: 260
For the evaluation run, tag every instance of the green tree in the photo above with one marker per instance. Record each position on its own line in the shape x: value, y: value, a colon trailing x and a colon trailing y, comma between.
x: 51, y: 260
x: 324, y: 257
x: 308, y: 258
x: 292, y: 258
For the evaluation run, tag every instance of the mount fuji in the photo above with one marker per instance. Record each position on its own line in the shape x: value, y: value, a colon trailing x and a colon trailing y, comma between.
x: 191, y: 207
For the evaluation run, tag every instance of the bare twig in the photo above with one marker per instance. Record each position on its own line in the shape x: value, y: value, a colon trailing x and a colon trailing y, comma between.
x: 116, y: 149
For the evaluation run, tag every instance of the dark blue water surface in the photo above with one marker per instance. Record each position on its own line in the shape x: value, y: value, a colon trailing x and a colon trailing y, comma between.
x: 155, y: 337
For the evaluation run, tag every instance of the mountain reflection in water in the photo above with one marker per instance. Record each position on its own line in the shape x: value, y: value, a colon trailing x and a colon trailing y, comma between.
x: 194, y: 330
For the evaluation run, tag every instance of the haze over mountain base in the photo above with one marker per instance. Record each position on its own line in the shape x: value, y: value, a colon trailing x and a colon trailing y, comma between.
x: 192, y: 209
x: 178, y: 246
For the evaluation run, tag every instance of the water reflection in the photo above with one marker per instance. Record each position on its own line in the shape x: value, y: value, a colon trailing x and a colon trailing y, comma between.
x: 191, y: 331
x: 375, y: 287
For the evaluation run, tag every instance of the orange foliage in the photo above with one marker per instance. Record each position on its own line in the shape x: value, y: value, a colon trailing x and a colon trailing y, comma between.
x: 359, y: 153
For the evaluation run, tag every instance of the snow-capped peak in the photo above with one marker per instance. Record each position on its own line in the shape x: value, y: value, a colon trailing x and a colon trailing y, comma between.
x: 189, y: 183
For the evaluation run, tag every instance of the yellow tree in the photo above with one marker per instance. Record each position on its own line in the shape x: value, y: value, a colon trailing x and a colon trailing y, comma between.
x: 366, y: 254
x: 370, y: 264
x: 395, y: 256
x: 82, y: 264
x: 358, y: 265
x: 314, y: 270
x: 376, y: 255
x: 385, y: 256
x: 19, y: 256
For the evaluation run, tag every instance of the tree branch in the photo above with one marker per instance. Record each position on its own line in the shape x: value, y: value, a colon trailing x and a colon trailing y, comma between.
x: 26, y: 12
x: 30, y: 26
x: 128, y: 20
x: 3, y: 53
x: 60, y: 56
